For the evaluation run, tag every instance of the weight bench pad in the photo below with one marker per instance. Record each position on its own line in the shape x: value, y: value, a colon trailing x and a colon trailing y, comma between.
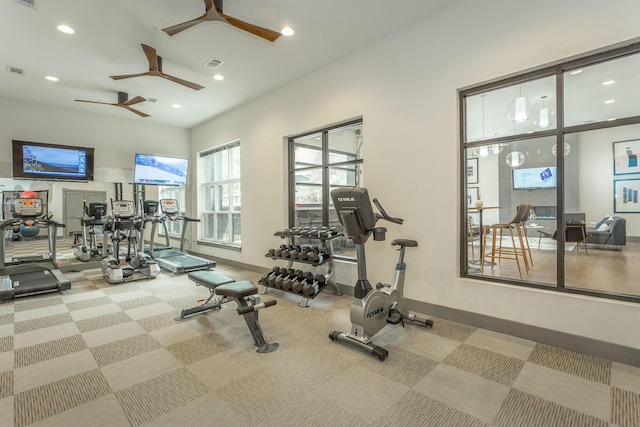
x: 237, y: 289
x: 209, y: 279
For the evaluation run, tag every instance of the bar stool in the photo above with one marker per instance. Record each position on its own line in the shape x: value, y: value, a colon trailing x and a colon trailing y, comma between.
x: 500, y: 252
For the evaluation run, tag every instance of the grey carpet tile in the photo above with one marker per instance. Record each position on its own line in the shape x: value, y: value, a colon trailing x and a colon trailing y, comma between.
x: 157, y: 322
x: 625, y: 408
x: 6, y: 343
x: 261, y: 395
x: 152, y: 398
x: 314, y: 411
x: 42, y: 322
x: 487, y: 364
x: 123, y: 349
x: 589, y: 367
x: 186, y: 302
x: 452, y: 330
x: 82, y: 287
x: 155, y: 290
x: 138, y: 302
x: 89, y: 303
x: 416, y: 410
x: 6, y: 319
x: 6, y: 384
x: 42, y: 402
x: 48, y: 350
x: 404, y: 367
x: 198, y: 348
x: 37, y: 302
x: 99, y: 322
x: 119, y: 288
x: 524, y: 410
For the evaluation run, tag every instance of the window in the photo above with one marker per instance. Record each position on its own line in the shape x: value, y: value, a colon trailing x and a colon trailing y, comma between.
x: 221, y: 195
x: 319, y: 162
x: 175, y: 193
x: 563, y: 140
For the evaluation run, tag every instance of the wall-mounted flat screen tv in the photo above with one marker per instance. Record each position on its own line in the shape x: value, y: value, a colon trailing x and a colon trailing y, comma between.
x: 160, y: 170
x: 535, y: 178
x: 37, y: 160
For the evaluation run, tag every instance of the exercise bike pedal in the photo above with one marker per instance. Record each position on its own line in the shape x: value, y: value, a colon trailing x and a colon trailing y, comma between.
x: 394, y: 317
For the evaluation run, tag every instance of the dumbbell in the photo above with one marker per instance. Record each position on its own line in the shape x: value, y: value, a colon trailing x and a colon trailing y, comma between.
x: 287, y: 283
x: 272, y: 277
x: 304, y: 254
x: 278, y: 282
x: 286, y: 251
x: 299, y: 284
x: 264, y: 280
x: 271, y: 252
x: 311, y: 289
x: 294, y: 252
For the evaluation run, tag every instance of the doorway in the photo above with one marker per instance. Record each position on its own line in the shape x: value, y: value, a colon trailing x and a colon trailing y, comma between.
x: 73, y: 202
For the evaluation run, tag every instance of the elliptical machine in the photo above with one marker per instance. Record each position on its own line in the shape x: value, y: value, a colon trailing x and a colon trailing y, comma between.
x: 123, y: 226
x: 371, y: 309
x: 93, y: 215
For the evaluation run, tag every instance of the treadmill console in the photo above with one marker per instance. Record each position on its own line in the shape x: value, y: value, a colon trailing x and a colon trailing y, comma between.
x: 169, y: 206
x: 123, y: 209
x: 27, y: 208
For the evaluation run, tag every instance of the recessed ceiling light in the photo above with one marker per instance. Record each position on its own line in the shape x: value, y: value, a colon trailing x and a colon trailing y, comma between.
x: 609, y: 101
x: 51, y: 78
x: 286, y: 31
x: 66, y: 29
x: 574, y: 72
x: 218, y: 77
x: 177, y: 106
x: 608, y: 82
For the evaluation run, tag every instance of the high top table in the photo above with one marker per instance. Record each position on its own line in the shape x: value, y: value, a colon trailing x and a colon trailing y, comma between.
x: 481, y: 210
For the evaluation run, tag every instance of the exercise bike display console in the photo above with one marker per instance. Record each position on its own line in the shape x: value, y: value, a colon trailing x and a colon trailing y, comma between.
x: 372, y: 308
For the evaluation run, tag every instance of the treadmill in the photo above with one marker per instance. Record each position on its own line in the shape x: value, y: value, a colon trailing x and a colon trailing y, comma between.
x: 177, y: 261
x: 31, y: 278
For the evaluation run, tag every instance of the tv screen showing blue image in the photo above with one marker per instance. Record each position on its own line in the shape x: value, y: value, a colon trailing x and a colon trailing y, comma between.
x: 160, y: 170
x: 535, y: 178
x: 35, y: 160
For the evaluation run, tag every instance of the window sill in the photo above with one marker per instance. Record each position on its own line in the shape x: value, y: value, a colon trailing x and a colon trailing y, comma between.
x: 228, y: 246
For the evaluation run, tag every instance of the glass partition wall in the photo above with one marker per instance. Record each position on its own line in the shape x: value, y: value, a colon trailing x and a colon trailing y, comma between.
x: 551, y: 178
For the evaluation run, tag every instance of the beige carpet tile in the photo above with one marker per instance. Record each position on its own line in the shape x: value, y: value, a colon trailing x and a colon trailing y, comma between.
x: 404, y: 367
x: 487, y: 364
x: 155, y: 290
x: 112, y: 333
x: 6, y: 319
x: 524, y: 410
x: 501, y: 343
x: 48, y: 371
x: 452, y: 330
x: 417, y: 410
x: 625, y: 408
x: 186, y: 301
x: 89, y: 303
x: 421, y: 341
x: 625, y: 377
x: 6, y: 384
x: 42, y: 322
x: 260, y: 396
x: 313, y: 410
x: 119, y: 288
x: 139, y: 368
x: 152, y: 398
x: 37, y: 302
x: 38, y: 336
x: 21, y: 316
x: 101, y: 310
x: 464, y: 391
x: 6, y: 411
x: 138, y: 302
x: 48, y: 350
x: 589, y: 367
x: 6, y: 343
x: 158, y: 322
x: 54, y: 398
x: 123, y: 349
x: 101, y: 322
x: 194, y: 349
x: 102, y: 412
x: 6, y: 361
x: 150, y: 310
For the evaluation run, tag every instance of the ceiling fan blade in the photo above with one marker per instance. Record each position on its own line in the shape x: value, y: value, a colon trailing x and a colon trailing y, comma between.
x: 253, y: 29
x: 193, y: 86
x: 152, y: 56
x: 127, y: 76
x: 93, y: 102
x: 175, y: 29
x: 133, y: 110
x: 135, y: 100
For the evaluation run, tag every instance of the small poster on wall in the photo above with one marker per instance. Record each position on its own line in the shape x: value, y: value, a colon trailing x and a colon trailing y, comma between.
x: 625, y: 196
x: 472, y: 170
x: 625, y: 157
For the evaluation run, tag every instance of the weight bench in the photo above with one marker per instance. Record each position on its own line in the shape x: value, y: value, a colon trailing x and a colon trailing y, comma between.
x: 210, y: 281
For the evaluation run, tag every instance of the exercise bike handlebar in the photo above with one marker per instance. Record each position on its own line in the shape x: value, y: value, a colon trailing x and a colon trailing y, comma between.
x: 383, y: 214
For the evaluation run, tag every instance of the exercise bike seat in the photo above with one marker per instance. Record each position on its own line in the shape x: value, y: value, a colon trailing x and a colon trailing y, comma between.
x: 404, y: 242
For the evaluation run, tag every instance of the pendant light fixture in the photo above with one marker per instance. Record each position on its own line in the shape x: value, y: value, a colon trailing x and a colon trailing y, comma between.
x: 483, y: 150
x: 566, y: 149
x: 515, y: 158
x: 545, y: 115
x: 520, y: 109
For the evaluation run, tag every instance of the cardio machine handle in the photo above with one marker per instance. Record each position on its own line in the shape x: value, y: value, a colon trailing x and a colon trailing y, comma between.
x: 385, y: 215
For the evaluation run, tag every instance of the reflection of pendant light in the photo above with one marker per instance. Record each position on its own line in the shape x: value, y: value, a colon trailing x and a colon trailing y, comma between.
x: 566, y: 148
x: 520, y: 110
x: 484, y: 150
x: 545, y: 116
x: 515, y: 158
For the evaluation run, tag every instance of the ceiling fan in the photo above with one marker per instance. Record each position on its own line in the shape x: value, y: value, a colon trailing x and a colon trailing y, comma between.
x: 213, y: 12
x: 155, y: 69
x: 123, y: 102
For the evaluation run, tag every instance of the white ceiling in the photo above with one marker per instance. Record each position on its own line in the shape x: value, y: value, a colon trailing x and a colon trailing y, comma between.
x: 109, y: 34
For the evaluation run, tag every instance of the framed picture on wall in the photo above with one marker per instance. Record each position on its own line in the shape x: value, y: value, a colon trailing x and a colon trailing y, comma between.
x: 625, y: 157
x: 472, y: 196
x: 472, y: 170
x: 625, y: 196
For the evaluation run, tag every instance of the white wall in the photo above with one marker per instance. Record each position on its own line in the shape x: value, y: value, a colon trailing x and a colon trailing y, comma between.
x: 405, y: 89
x: 115, y: 139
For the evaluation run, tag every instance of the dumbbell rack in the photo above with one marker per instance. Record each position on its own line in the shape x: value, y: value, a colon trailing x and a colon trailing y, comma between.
x: 293, y: 236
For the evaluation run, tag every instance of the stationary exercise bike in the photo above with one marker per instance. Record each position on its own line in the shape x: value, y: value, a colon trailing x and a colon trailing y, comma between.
x: 371, y: 309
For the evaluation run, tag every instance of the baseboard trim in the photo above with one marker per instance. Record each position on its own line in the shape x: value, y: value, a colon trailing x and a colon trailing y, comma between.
x: 615, y: 352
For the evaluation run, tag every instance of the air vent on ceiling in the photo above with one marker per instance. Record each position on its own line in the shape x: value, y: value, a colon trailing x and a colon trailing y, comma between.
x: 213, y: 63
x: 15, y: 70
x: 152, y: 100
x: 28, y: 3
